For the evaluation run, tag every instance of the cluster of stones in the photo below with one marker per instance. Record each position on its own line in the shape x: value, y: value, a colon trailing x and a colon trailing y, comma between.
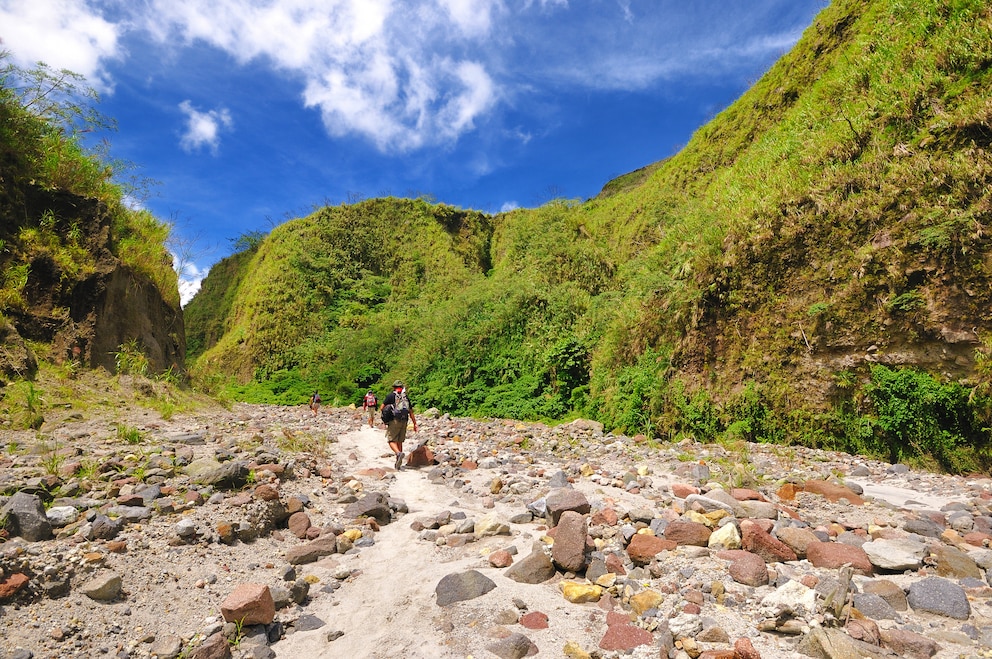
x: 61, y: 532
x: 661, y: 574
x: 701, y: 570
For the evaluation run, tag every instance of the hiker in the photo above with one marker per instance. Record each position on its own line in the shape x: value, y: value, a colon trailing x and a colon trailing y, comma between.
x: 369, y: 405
x: 315, y: 403
x: 397, y: 410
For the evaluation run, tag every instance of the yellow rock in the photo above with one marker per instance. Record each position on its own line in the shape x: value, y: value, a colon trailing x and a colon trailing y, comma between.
x: 698, y: 518
x: 645, y: 531
x: 579, y: 593
x: 714, y: 516
x: 573, y: 650
x: 644, y: 600
x: 353, y: 534
x: 642, y: 470
x: 587, y: 470
x: 606, y: 580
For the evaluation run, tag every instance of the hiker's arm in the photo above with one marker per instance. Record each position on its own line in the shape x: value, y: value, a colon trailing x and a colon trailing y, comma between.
x: 414, y: 419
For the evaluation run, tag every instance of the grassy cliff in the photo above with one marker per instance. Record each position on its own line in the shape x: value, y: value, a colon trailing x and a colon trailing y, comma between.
x: 814, y: 267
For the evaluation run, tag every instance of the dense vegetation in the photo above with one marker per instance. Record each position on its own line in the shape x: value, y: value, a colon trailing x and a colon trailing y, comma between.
x: 43, y: 115
x: 813, y: 267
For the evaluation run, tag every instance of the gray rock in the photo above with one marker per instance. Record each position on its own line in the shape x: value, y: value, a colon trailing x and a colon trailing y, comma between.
x: 898, y: 554
x: 307, y: 623
x: 534, y: 568
x: 514, y: 646
x: 230, y: 475
x: 187, y: 438
x: 373, y: 504
x: 103, y: 588
x: 940, y: 597
x: 824, y: 643
x: 132, y: 513
x: 925, y: 527
x: 26, y: 517
x: 875, y: 607
x: 104, y: 528
x: 60, y: 516
x: 458, y: 587
x: 168, y: 646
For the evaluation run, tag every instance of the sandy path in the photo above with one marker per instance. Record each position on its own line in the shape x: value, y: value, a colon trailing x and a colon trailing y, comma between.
x: 387, y: 609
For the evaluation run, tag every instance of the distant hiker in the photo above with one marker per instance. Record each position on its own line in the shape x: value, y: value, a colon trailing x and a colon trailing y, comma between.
x: 369, y: 405
x: 397, y: 410
x: 315, y: 403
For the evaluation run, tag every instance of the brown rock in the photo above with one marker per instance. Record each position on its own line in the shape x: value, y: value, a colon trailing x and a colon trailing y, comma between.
x: 909, y: 644
x: 954, y: 563
x: 614, y: 564
x: 788, y: 492
x: 643, y: 547
x: 682, y: 490
x: 12, y: 585
x: 748, y: 569
x: 570, y: 542
x: 298, y: 524
x: 888, y: 591
x: 266, y: 492
x: 758, y: 541
x: 833, y: 555
x: 797, y: 539
x: 501, y: 558
x: 863, y: 629
x: 833, y: 492
x: 294, y: 505
x: 717, y: 654
x: 744, y: 649
x: 215, y: 647
x: 249, y: 604
x: 565, y: 498
x: 420, y: 457
x: 685, y: 532
x: 325, y: 545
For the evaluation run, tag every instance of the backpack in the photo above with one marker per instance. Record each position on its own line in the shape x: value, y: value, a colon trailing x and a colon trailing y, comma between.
x: 387, y: 413
x: 401, y: 407
x: 370, y: 400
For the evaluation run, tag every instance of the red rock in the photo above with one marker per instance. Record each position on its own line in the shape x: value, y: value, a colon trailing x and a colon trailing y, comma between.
x: 193, y: 497
x: 534, y: 620
x: 745, y: 494
x: 685, y: 532
x: 12, y: 584
x: 420, y: 457
x: 758, y: 541
x: 718, y: 654
x: 116, y: 546
x: 266, y: 492
x: 832, y: 555
x: 249, y: 604
x: 501, y: 558
x: 976, y: 539
x: 298, y: 524
x: 744, y: 649
x: 614, y: 564
x: 377, y: 473
x: 605, y: 517
x: 625, y: 636
x: 470, y: 465
x: 691, y: 608
x: 833, y: 492
x: 643, y: 548
x: 325, y: 472
x: 276, y: 469
x: 682, y: 490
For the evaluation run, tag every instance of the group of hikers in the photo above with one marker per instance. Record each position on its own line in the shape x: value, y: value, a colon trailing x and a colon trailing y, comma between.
x: 396, y: 412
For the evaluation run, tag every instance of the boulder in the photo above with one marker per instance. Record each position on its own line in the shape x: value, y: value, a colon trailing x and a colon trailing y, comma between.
x: 461, y: 586
x: 26, y: 517
x: 249, y: 604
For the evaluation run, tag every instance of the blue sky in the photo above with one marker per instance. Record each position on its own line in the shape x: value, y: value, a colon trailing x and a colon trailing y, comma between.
x: 248, y: 112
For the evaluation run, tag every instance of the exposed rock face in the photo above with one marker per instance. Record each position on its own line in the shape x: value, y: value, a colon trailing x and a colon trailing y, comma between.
x: 86, y: 315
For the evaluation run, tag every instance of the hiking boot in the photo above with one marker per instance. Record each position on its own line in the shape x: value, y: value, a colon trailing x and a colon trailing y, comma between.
x: 399, y: 460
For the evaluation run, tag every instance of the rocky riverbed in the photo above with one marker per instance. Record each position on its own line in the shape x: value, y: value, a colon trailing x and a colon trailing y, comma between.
x: 264, y: 531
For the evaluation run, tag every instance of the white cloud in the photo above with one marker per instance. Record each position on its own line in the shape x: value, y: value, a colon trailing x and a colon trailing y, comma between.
x: 190, y: 278
x: 508, y: 206
x: 203, y: 128
x: 65, y: 34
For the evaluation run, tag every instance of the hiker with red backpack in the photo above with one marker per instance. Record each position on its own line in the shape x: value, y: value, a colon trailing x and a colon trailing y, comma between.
x: 397, y: 411
x: 369, y: 405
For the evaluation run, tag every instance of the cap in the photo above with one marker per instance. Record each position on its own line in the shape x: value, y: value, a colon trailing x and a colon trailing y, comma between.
x: 398, y: 383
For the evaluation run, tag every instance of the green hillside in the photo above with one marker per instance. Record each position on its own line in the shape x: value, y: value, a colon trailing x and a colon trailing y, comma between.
x: 813, y: 267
